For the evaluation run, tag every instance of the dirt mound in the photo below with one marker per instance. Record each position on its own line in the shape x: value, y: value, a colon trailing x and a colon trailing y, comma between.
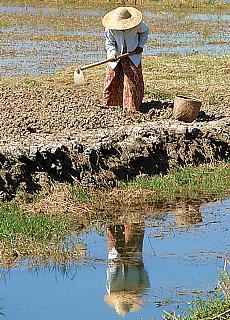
x: 64, y: 111
x: 46, y: 109
x: 62, y: 134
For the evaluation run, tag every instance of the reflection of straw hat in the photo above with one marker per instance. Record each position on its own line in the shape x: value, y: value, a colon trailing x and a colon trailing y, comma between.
x: 122, y: 18
x: 124, y: 302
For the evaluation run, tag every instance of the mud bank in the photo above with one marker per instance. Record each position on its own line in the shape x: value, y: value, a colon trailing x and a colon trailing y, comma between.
x: 52, y: 131
x: 106, y: 157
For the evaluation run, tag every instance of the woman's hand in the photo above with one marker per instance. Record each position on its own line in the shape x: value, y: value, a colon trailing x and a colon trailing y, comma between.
x: 138, y: 50
x: 114, y: 57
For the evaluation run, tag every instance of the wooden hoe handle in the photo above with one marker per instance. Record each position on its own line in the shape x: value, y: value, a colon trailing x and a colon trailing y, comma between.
x: 105, y: 61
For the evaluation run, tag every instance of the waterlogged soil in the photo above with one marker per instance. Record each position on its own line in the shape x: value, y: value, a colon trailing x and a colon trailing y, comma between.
x: 43, y: 40
x: 176, y: 255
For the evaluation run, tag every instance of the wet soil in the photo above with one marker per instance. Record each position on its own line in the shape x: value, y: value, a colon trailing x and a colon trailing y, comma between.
x: 38, y: 40
x: 64, y: 133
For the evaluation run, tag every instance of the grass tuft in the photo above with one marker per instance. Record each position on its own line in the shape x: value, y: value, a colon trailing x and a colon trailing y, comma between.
x: 81, y: 194
x: 188, y: 182
x: 216, y: 307
x: 15, y: 223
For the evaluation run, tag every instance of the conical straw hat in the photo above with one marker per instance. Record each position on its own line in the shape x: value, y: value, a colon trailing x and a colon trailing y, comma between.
x: 122, y: 18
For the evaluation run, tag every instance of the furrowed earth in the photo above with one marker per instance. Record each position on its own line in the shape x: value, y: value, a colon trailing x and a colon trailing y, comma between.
x: 54, y: 131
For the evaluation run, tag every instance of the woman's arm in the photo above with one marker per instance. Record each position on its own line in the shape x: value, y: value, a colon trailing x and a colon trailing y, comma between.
x: 110, y: 43
x: 143, y: 31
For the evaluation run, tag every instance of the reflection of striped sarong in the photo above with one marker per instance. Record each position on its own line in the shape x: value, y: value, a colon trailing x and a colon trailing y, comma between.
x: 124, y: 86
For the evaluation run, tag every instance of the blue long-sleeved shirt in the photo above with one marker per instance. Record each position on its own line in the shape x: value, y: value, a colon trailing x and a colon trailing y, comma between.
x: 117, y: 40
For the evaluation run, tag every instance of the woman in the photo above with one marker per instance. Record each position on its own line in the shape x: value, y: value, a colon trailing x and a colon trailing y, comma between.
x: 125, y: 32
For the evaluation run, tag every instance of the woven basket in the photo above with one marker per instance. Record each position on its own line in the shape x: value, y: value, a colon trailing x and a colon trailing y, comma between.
x: 186, y: 109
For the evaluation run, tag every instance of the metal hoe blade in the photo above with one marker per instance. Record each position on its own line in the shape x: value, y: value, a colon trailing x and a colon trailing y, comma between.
x: 79, y: 79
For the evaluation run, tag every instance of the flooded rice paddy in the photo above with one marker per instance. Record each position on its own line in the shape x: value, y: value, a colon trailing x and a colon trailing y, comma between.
x: 39, y: 41
x: 133, y: 271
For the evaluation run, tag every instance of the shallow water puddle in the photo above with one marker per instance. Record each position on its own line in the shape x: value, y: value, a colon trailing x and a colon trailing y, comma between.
x: 135, y: 270
x: 84, y: 12
x: 55, y: 38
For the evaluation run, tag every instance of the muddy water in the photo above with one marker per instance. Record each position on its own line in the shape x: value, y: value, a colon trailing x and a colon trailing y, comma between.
x: 37, y: 41
x: 135, y: 270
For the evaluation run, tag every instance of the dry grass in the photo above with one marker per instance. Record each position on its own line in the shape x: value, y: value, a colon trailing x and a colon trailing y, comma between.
x: 193, y: 4
x: 203, y: 77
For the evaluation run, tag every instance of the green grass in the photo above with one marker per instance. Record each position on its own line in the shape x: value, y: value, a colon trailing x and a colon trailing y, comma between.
x: 31, y: 230
x: 209, y: 309
x: 216, y: 306
x: 15, y: 223
x: 31, y: 83
x: 188, y: 182
x: 81, y: 194
x: 4, y: 25
x: 26, y: 234
x: 158, y: 94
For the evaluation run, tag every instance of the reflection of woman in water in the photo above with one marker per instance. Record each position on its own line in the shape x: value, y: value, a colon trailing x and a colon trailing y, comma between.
x: 126, y: 277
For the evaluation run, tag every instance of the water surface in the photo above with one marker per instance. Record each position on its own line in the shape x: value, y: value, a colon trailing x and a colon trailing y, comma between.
x: 38, y: 41
x: 181, y: 257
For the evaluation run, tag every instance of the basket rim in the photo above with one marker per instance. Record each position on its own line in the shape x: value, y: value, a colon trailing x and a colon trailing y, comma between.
x: 188, y: 98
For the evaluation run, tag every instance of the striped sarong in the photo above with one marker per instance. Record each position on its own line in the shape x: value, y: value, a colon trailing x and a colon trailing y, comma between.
x: 124, y: 86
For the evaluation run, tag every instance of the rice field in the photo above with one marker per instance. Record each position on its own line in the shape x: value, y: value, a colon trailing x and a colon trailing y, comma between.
x: 42, y: 40
x: 54, y: 247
